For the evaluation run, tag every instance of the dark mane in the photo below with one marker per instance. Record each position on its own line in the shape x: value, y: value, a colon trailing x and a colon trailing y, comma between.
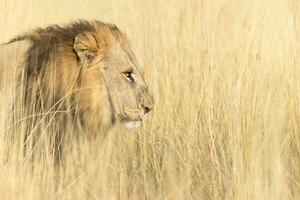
x: 55, y: 39
x: 55, y: 92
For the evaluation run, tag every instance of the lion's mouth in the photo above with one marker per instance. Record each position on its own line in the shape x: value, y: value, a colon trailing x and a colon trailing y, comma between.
x: 131, y: 125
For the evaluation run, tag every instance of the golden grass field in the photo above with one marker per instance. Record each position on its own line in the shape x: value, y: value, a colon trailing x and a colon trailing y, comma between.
x: 225, y: 75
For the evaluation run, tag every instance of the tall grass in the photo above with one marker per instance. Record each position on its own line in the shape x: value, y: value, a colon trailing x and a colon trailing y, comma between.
x: 226, y: 123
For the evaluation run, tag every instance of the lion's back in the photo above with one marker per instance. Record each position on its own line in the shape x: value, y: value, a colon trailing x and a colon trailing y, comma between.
x: 13, y: 57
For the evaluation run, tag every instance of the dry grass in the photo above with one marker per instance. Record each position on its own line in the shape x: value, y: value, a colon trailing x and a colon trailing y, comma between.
x: 227, y: 119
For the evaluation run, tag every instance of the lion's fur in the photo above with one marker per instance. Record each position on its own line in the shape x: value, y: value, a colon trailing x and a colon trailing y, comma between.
x: 12, y: 60
x: 60, y: 87
x: 59, y: 40
x: 54, y: 45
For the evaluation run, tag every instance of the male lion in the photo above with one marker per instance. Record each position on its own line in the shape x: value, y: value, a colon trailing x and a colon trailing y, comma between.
x: 82, y: 77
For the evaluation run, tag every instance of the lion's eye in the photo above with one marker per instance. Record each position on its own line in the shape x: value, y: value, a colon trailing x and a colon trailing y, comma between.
x: 128, y: 76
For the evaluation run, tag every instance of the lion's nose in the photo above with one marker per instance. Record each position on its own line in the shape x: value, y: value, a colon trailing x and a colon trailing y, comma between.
x: 147, y: 105
x: 147, y: 108
x: 147, y: 100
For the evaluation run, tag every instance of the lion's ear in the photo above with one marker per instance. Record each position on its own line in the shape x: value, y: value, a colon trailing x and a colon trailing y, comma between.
x: 86, y: 47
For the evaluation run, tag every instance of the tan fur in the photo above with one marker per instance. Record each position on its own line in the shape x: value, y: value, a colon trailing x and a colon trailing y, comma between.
x: 76, y: 79
x: 12, y: 59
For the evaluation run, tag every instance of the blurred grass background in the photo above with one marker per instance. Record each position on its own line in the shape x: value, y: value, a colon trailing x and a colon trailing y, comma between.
x: 226, y: 123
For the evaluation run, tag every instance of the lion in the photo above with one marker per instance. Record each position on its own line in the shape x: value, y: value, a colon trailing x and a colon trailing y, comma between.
x: 79, y: 77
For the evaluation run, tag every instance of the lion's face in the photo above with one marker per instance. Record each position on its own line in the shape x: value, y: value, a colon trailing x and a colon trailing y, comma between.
x: 116, y: 71
x: 131, y: 98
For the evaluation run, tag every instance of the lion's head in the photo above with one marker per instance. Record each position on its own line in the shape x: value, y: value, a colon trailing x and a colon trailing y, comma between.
x: 107, y: 59
x: 89, y: 69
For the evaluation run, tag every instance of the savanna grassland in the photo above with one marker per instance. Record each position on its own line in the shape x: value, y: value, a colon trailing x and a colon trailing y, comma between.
x: 225, y: 75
